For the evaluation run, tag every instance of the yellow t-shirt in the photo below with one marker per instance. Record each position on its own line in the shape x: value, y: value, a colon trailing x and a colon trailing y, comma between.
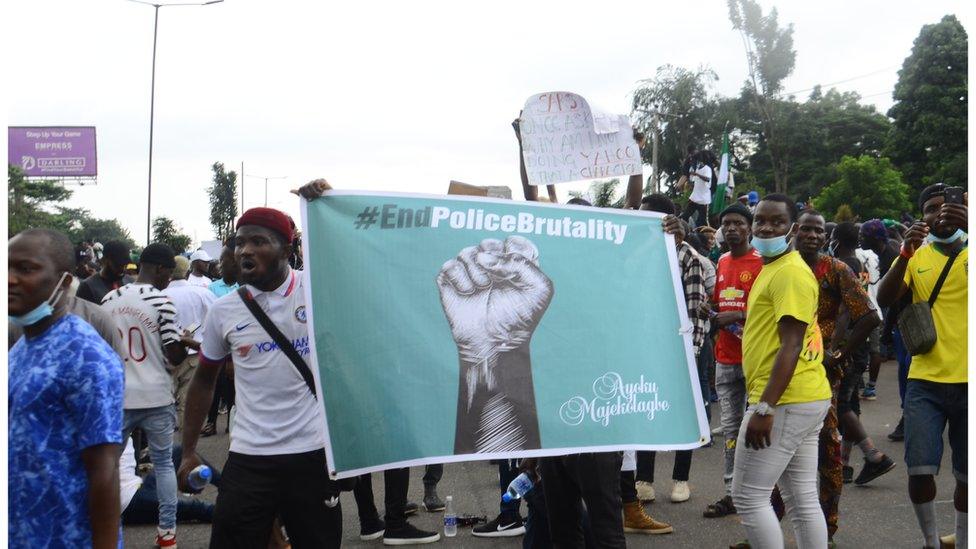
x: 948, y: 361
x: 785, y: 287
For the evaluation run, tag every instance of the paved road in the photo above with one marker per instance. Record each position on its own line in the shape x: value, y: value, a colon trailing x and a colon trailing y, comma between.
x: 878, y: 515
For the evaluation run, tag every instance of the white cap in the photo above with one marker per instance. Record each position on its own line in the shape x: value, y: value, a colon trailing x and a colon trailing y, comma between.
x: 200, y: 255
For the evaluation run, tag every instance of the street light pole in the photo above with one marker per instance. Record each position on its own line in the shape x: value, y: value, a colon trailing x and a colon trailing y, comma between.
x: 265, y: 178
x: 152, y: 108
x: 152, y: 99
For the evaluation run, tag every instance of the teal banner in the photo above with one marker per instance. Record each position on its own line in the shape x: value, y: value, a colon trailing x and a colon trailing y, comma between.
x: 456, y: 328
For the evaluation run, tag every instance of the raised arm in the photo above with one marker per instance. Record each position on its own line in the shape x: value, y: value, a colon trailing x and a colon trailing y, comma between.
x: 531, y: 192
x: 635, y: 185
x: 893, y: 286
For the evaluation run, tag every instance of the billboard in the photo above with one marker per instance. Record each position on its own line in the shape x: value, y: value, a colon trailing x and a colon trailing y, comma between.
x: 53, y: 151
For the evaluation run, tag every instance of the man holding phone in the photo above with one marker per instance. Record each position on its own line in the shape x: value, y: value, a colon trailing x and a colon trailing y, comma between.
x: 935, y: 250
x: 192, y: 303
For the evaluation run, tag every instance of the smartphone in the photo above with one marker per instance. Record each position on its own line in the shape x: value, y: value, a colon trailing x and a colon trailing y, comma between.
x: 192, y: 328
x: 953, y: 195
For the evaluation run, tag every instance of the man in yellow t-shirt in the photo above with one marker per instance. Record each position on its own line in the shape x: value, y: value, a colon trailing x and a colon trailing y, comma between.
x: 937, y: 388
x: 782, y: 353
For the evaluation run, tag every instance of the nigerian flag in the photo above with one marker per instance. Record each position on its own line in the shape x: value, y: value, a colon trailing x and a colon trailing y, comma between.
x: 718, y: 201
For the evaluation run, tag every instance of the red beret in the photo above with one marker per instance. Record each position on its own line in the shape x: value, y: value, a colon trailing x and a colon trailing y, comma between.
x: 268, y: 218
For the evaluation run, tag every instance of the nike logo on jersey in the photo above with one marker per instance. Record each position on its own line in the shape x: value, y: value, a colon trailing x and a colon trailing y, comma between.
x: 920, y: 270
x: 240, y: 327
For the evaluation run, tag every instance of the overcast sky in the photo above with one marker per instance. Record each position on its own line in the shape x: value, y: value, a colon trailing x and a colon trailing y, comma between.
x: 396, y: 96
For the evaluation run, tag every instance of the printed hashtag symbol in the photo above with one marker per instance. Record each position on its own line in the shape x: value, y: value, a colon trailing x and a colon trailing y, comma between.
x: 367, y: 217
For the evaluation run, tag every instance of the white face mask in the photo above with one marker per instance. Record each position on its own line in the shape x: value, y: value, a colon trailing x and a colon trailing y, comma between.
x: 949, y: 239
x: 43, y: 310
x: 770, y: 247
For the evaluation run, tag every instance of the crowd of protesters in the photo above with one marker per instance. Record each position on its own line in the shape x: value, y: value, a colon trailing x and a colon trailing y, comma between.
x: 112, y: 359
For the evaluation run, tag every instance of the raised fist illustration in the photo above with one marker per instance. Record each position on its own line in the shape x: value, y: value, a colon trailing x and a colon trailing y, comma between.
x: 494, y: 295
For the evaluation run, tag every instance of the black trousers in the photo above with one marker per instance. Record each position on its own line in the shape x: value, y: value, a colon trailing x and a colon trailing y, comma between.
x: 594, y: 478
x: 363, y: 493
x: 396, y: 484
x: 256, y: 489
x: 628, y: 487
x: 681, y: 470
x: 433, y: 474
x: 223, y: 393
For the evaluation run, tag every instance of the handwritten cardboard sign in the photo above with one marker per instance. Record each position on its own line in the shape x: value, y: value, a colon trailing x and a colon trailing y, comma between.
x: 564, y: 140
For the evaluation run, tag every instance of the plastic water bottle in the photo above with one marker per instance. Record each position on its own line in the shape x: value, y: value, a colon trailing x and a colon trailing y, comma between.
x: 518, y: 488
x: 735, y: 329
x: 199, y: 477
x: 450, y: 518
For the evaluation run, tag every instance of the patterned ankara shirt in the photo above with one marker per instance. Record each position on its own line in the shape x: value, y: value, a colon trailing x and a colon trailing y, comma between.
x: 838, y: 284
x: 64, y: 395
x: 693, y: 283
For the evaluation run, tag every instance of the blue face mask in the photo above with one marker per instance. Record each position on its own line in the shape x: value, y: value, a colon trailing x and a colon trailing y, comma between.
x: 42, y: 311
x: 770, y: 247
x: 949, y: 239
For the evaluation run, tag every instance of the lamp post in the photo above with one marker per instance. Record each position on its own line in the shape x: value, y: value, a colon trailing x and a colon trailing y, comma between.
x: 265, y: 178
x: 152, y: 98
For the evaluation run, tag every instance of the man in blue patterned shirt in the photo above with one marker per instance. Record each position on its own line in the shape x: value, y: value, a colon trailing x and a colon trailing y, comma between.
x: 65, y: 389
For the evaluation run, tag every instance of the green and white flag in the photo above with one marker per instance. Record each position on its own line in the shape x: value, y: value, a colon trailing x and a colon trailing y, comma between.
x: 721, y: 189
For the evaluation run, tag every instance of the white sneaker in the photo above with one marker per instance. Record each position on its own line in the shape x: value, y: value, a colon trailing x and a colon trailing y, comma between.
x: 680, y: 492
x: 645, y: 491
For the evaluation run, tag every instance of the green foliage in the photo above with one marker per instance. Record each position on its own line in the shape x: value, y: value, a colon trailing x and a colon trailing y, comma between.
x: 869, y: 186
x: 26, y: 200
x: 844, y: 215
x: 771, y: 58
x: 36, y: 204
x: 929, y: 140
x: 769, y: 49
x: 601, y: 194
x: 815, y: 134
x: 165, y: 231
x: 223, y: 201
x: 101, y: 230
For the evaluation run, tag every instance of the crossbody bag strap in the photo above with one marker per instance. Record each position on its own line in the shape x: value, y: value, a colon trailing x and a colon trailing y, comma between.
x: 279, y: 338
x: 942, y: 277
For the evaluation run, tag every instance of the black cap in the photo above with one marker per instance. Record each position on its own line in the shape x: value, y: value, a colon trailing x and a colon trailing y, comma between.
x: 930, y: 192
x: 117, y: 253
x: 736, y: 208
x: 158, y: 254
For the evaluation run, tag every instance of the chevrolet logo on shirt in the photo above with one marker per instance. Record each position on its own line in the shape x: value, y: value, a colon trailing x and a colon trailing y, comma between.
x: 731, y: 293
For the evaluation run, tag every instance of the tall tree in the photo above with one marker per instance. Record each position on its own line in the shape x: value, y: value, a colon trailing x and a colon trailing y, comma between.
x: 929, y: 138
x: 688, y: 114
x: 870, y: 187
x: 601, y: 194
x: 28, y: 201
x: 223, y: 201
x: 166, y: 232
x: 815, y: 135
x: 100, y: 230
x: 770, y: 56
x: 39, y: 204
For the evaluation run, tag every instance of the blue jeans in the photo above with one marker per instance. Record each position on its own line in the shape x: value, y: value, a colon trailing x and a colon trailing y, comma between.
x: 158, y: 424
x: 904, y: 363
x: 929, y: 406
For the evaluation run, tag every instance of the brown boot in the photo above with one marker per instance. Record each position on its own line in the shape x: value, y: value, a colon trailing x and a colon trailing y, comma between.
x: 636, y: 521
